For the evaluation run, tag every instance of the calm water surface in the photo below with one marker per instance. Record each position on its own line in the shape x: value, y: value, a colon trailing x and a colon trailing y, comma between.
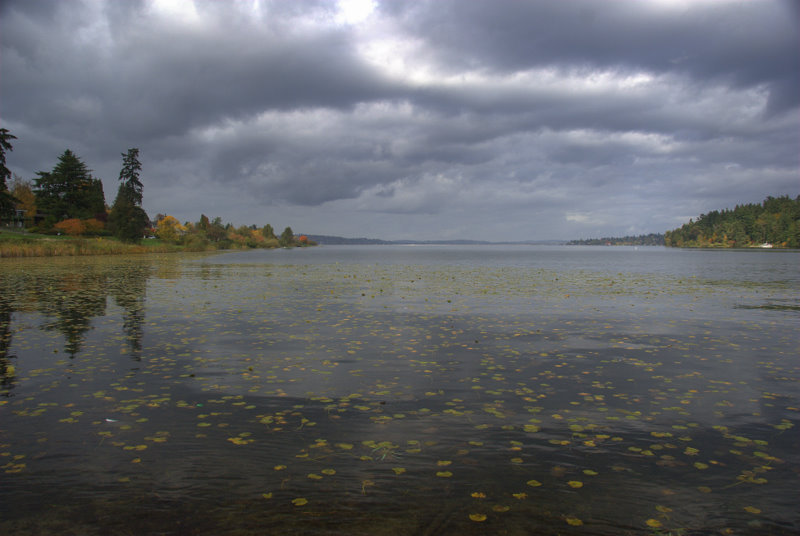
x: 402, y: 390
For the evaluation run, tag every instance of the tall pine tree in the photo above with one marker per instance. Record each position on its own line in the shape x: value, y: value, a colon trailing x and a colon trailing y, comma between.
x: 127, y: 219
x: 7, y: 200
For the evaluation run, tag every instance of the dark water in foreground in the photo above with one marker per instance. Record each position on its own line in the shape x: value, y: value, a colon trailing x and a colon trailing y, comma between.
x: 402, y: 390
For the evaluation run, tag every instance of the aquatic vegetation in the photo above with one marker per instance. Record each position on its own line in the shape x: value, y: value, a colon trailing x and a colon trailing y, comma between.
x: 289, y: 395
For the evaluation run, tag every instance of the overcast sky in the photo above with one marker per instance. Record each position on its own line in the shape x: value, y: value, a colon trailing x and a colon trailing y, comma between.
x: 438, y: 119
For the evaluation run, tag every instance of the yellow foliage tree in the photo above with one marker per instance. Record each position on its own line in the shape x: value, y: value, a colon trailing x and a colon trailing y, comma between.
x: 26, y: 199
x: 169, y: 229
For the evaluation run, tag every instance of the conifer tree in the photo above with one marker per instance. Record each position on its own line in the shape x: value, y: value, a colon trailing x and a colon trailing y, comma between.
x: 69, y: 191
x: 6, y: 199
x: 127, y: 219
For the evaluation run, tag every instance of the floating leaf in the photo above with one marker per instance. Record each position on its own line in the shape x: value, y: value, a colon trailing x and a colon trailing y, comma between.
x: 653, y: 523
x: 752, y: 509
x: 299, y: 501
x: 574, y: 521
x: 477, y: 517
x: 534, y: 483
x: 444, y: 474
x: 478, y: 495
x: 240, y: 440
x: 398, y: 470
x: 575, y: 484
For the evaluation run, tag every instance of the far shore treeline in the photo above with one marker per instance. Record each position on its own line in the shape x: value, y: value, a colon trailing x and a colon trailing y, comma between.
x: 652, y: 239
x: 773, y: 223
x: 68, y: 201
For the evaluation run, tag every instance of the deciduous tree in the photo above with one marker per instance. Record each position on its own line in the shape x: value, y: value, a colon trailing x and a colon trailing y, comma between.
x: 170, y: 229
x: 22, y: 190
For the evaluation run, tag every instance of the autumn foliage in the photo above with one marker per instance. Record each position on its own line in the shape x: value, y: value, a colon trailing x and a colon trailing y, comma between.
x: 76, y: 227
x: 93, y: 226
x: 170, y: 229
x: 71, y: 227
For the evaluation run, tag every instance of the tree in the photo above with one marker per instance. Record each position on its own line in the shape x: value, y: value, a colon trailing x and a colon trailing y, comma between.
x: 129, y: 174
x: 268, y: 231
x: 71, y: 227
x: 170, y: 229
x: 204, y: 223
x: 22, y: 190
x: 128, y: 220
x: 7, y: 200
x: 287, y: 237
x: 216, y: 232
x: 69, y: 191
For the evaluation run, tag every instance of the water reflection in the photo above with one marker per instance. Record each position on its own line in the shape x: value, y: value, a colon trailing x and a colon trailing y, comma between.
x: 70, y: 295
x: 394, y: 399
x: 7, y: 368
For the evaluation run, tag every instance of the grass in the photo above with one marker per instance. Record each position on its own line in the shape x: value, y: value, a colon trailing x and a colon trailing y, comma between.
x: 19, y: 244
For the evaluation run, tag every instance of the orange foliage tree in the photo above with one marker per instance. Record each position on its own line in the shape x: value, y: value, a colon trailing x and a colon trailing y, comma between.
x: 72, y: 227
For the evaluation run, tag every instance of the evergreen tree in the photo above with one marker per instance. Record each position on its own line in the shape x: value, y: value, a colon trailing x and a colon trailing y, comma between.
x: 7, y: 200
x: 128, y: 220
x: 69, y: 191
x: 129, y: 174
x: 204, y: 223
x: 287, y: 237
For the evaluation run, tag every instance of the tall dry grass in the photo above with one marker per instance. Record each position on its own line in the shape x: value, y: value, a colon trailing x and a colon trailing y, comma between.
x: 49, y: 247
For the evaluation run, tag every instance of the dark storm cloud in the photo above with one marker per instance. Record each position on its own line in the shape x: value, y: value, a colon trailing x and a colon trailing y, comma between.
x: 150, y: 76
x: 744, y: 43
x: 470, y: 117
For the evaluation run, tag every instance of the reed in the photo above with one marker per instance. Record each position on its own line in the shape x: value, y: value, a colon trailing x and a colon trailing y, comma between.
x: 57, y: 247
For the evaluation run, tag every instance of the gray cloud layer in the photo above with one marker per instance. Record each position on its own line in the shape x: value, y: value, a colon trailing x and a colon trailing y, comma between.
x: 431, y: 119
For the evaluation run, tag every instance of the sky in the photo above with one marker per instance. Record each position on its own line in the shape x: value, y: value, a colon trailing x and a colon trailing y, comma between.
x: 500, y: 120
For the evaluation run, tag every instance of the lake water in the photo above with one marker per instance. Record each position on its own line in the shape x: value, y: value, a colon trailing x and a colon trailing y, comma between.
x: 402, y: 390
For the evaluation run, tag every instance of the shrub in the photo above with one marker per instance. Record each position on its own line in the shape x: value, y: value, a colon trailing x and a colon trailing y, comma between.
x: 93, y: 226
x: 71, y: 227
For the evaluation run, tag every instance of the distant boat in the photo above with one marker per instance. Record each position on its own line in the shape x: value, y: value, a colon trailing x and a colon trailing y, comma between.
x: 765, y: 245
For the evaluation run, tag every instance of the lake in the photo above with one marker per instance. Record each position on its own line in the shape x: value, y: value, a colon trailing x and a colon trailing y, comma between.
x: 384, y: 390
